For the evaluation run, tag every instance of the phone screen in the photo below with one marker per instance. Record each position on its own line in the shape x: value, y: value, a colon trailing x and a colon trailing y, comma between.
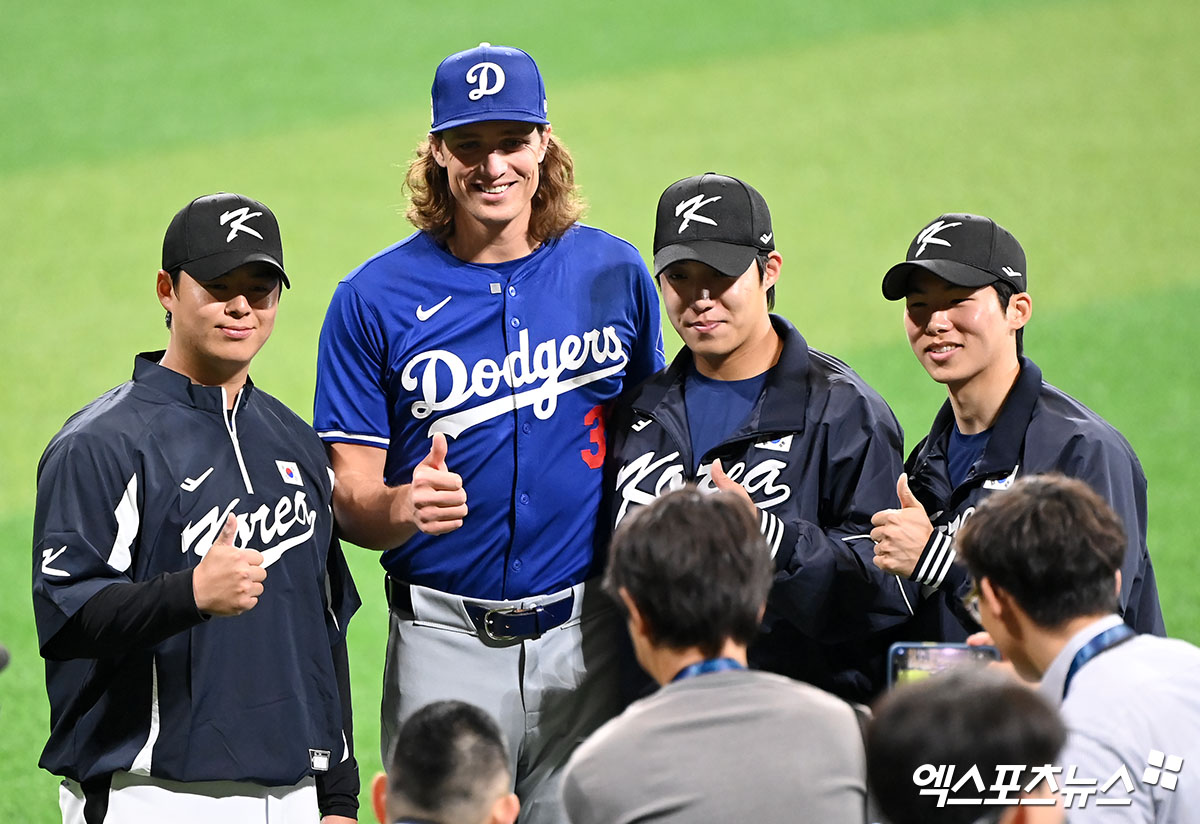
x: 914, y: 662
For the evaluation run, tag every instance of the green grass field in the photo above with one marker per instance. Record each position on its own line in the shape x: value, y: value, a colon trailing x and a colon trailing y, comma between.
x: 1072, y: 123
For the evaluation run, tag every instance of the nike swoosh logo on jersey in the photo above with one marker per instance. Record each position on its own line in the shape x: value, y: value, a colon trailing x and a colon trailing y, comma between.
x: 192, y: 484
x: 49, y: 556
x: 425, y: 314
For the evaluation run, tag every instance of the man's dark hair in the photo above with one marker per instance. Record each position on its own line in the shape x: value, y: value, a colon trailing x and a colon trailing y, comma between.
x: 1052, y: 543
x: 449, y: 760
x: 174, y: 273
x: 697, y: 568
x: 1005, y: 292
x: 966, y: 718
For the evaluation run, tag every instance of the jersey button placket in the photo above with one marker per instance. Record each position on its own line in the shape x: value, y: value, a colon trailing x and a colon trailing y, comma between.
x: 516, y: 582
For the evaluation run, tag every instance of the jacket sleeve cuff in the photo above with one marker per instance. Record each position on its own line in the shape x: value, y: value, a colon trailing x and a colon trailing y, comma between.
x: 772, y: 529
x: 337, y: 790
x: 935, y: 560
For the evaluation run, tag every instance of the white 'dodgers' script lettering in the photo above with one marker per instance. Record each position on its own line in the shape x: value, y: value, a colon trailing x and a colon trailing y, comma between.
x: 548, y: 361
x: 257, y: 530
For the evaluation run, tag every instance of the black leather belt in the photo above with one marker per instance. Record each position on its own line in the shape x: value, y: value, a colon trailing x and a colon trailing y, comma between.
x: 399, y: 594
x: 496, y: 623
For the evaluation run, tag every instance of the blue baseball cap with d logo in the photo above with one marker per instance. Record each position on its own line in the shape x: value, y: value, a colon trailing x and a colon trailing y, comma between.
x: 487, y: 83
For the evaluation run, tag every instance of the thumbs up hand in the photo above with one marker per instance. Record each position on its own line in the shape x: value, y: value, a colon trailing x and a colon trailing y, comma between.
x: 726, y: 484
x: 907, y: 499
x: 228, y: 580
x: 438, y: 500
x: 900, y: 534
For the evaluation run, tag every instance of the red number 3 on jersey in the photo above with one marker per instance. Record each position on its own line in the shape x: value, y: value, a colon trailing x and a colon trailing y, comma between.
x: 594, y: 456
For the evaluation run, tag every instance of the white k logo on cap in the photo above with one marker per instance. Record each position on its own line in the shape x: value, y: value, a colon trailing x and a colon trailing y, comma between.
x: 238, y: 224
x: 692, y: 205
x: 483, y: 74
x: 929, y: 235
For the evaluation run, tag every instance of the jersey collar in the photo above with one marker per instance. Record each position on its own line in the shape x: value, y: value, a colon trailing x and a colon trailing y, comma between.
x: 785, y: 393
x: 1003, y: 451
x: 148, y: 372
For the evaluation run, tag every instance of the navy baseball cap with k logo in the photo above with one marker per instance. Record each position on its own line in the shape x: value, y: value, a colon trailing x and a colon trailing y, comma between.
x: 487, y: 83
x: 715, y: 219
x: 962, y: 249
x: 218, y: 233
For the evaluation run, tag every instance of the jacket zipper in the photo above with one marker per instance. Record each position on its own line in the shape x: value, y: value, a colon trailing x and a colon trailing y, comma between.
x: 230, y: 418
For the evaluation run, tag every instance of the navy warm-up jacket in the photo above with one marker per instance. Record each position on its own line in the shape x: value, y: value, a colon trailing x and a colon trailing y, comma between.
x: 1040, y: 429
x: 131, y: 494
x: 819, y: 455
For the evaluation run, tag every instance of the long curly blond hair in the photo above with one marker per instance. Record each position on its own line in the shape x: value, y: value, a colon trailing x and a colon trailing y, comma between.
x: 557, y: 203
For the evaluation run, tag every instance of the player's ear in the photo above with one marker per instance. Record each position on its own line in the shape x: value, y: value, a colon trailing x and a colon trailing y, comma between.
x: 545, y: 142
x: 774, y: 268
x: 437, y: 148
x: 165, y: 289
x: 1020, y: 310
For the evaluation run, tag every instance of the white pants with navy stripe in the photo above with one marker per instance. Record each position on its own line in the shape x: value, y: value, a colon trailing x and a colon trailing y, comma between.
x: 546, y: 694
x: 135, y: 799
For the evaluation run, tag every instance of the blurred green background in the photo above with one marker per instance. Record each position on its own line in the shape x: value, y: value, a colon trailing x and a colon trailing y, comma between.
x: 1072, y: 123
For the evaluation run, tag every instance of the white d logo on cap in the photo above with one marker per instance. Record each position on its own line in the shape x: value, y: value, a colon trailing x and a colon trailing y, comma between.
x: 482, y: 73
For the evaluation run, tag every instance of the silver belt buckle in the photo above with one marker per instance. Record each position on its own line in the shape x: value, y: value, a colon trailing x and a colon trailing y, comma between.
x: 487, y: 622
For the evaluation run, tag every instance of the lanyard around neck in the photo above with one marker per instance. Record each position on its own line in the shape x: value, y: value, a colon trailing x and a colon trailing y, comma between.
x: 707, y: 665
x: 1104, y: 641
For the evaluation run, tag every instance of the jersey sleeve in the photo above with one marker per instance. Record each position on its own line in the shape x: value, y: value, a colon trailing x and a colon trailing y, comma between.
x: 341, y: 594
x: 826, y: 580
x: 1116, y: 474
x: 647, y: 356
x: 350, y: 405
x: 90, y: 498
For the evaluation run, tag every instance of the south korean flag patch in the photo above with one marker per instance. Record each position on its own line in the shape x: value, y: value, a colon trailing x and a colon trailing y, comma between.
x: 290, y: 473
x: 783, y: 444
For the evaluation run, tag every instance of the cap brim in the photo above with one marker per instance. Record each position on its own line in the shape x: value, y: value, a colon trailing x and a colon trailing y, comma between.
x: 483, y: 117
x: 729, y: 259
x: 213, y: 266
x: 895, y: 282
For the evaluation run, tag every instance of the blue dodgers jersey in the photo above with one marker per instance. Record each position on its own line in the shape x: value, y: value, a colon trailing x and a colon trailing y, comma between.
x: 516, y: 364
